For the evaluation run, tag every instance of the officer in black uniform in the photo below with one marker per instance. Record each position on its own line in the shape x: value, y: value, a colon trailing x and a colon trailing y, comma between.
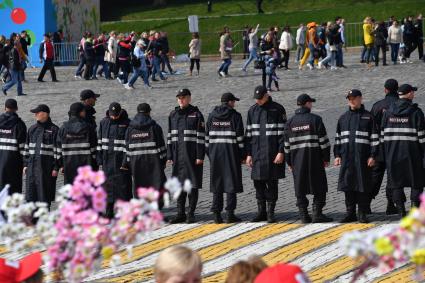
x: 265, y: 151
x: 225, y: 148
x: 403, y: 138
x: 88, y: 98
x: 146, y: 151
x: 186, y: 151
x: 40, y: 157
x: 307, y: 152
x: 378, y: 171
x: 76, y: 143
x: 13, y: 134
x: 355, y: 150
x: 111, y: 154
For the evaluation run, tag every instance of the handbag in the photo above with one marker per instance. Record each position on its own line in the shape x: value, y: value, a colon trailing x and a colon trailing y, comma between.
x: 332, y: 48
x: 259, y: 64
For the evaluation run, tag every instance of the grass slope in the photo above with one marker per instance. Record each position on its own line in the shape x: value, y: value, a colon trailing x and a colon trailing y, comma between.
x: 283, y: 12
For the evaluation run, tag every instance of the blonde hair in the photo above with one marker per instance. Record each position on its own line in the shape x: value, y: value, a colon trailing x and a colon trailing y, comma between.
x: 245, y: 271
x: 367, y: 20
x: 176, y: 260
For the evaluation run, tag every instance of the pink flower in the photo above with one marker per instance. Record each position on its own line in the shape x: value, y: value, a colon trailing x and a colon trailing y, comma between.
x: 99, y: 200
x: 98, y: 178
x: 150, y: 194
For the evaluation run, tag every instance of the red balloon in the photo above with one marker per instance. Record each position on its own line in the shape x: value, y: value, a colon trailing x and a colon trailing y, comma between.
x: 19, y: 16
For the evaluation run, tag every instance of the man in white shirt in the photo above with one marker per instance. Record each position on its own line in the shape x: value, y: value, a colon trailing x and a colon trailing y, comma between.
x: 300, y: 40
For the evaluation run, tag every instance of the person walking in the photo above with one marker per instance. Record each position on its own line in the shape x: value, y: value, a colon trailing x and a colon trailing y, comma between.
x: 332, y: 36
x: 419, y: 36
x: 409, y: 38
x: 13, y: 134
x: 146, y: 154
x: 194, y: 53
x: 111, y: 54
x: 395, y: 38
x: 40, y: 165
x: 224, y: 141
x: 300, y: 41
x: 124, y: 54
x: 381, y: 34
x: 226, y: 48
x: 76, y: 143
x: 252, y: 47
x: 312, y: 43
x: 140, y: 68
x: 265, y: 151
x: 90, y: 56
x: 15, y: 66
x: 100, y: 47
x: 157, y: 51
x: 165, y: 59
x: 79, y: 71
x: 186, y: 151
x: 378, y: 171
x: 355, y: 150
x: 24, y: 41
x: 47, y: 55
x: 307, y: 151
x: 111, y: 151
x: 285, y: 45
x: 368, y: 39
x: 403, y: 138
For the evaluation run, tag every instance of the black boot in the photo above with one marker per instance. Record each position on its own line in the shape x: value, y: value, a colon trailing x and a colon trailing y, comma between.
x: 391, y: 209
x: 193, y: 201
x: 318, y: 216
x: 231, y: 217
x: 351, y: 215
x: 416, y: 204
x: 401, y: 209
x: 305, y: 217
x: 262, y: 214
x: 367, y: 209
x: 270, y: 212
x: 181, y: 214
x: 217, y: 218
x: 362, y: 216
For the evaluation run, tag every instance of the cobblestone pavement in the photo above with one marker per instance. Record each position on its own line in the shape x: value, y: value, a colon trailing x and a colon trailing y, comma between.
x: 312, y: 246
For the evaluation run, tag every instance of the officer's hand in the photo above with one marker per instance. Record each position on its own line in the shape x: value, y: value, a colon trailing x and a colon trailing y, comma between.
x: 61, y: 170
x: 326, y: 164
x: 169, y: 162
x: 371, y: 162
x: 249, y: 161
x: 199, y: 162
x: 124, y: 168
x: 54, y: 173
x: 337, y: 161
x: 279, y: 158
x: 24, y: 170
x: 290, y: 168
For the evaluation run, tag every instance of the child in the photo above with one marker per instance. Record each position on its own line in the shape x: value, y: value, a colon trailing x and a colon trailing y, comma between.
x: 271, y: 65
x: 178, y: 264
x: 402, y: 51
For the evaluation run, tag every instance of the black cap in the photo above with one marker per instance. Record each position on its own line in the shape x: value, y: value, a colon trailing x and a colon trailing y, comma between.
x: 88, y: 93
x: 114, y: 109
x: 76, y: 108
x: 405, y: 89
x: 41, y: 108
x: 183, y: 92
x: 11, y: 104
x: 226, y: 97
x: 144, y: 108
x: 391, y: 85
x: 354, y: 93
x: 304, y: 98
x: 259, y: 92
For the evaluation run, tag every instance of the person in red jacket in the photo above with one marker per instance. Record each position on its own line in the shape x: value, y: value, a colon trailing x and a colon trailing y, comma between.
x: 47, y: 55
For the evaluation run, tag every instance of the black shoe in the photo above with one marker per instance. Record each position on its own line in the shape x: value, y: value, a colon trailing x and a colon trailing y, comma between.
x: 154, y: 80
x: 190, y: 218
x: 363, y: 217
x: 55, y: 81
x: 368, y: 210
x: 391, y: 209
x: 180, y: 218
x: 350, y: 217
x: 319, y: 217
x: 270, y: 212
x: 94, y: 78
x: 4, y: 92
x: 217, y: 218
x: 343, y: 66
x: 401, y: 209
x: 40, y: 81
x: 304, y: 216
x: 232, y: 218
x: 262, y: 213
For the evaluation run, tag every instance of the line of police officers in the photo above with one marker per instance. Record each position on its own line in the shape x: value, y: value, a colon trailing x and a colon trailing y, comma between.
x: 134, y: 153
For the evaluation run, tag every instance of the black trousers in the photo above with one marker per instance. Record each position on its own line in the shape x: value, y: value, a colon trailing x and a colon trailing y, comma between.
x: 218, y: 202
x: 384, y: 54
x: 88, y: 72
x: 48, y: 65
x: 359, y: 198
x: 421, y: 48
x: 400, y: 197
x: 193, y: 201
x: 192, y: 64
x: 266, y: 190
x: 318, y: 200
x: 285, y: 57
x: 378, y: 172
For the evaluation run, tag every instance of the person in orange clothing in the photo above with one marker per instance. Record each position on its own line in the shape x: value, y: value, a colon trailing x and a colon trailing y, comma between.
x: 312, y: 43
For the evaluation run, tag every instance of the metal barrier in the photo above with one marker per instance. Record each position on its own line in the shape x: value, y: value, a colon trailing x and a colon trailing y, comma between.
x: 65, y: 53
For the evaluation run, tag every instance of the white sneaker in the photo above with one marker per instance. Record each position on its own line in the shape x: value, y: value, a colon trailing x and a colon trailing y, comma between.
x: 148, y: 87
x: 300, y: 67
x: 319, y: 66
x: 128, y: 87
x: 310, y: 66
x: 334, y: 68
x: 223, y: 74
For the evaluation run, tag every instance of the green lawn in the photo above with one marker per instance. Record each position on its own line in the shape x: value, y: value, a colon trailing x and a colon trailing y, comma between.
x: 284, y: 12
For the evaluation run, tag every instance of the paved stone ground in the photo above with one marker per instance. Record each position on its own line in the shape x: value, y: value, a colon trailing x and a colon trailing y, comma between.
x: 328, y: 87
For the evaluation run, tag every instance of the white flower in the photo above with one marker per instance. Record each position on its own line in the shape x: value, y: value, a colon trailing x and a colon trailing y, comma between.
x: 115, y: 261
x: 173, y: 185
x: 187, y: 187
x: 166, y: 199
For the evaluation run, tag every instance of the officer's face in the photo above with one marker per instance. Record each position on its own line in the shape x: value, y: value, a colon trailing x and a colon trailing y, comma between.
x: 184, y: 101
x: 231, y: 104
x: 41, y: 116
x: 308, y: 105
x: 83, y: 114
x: 262, y: 100
x: 355, y: 102
x: 91, y: 101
